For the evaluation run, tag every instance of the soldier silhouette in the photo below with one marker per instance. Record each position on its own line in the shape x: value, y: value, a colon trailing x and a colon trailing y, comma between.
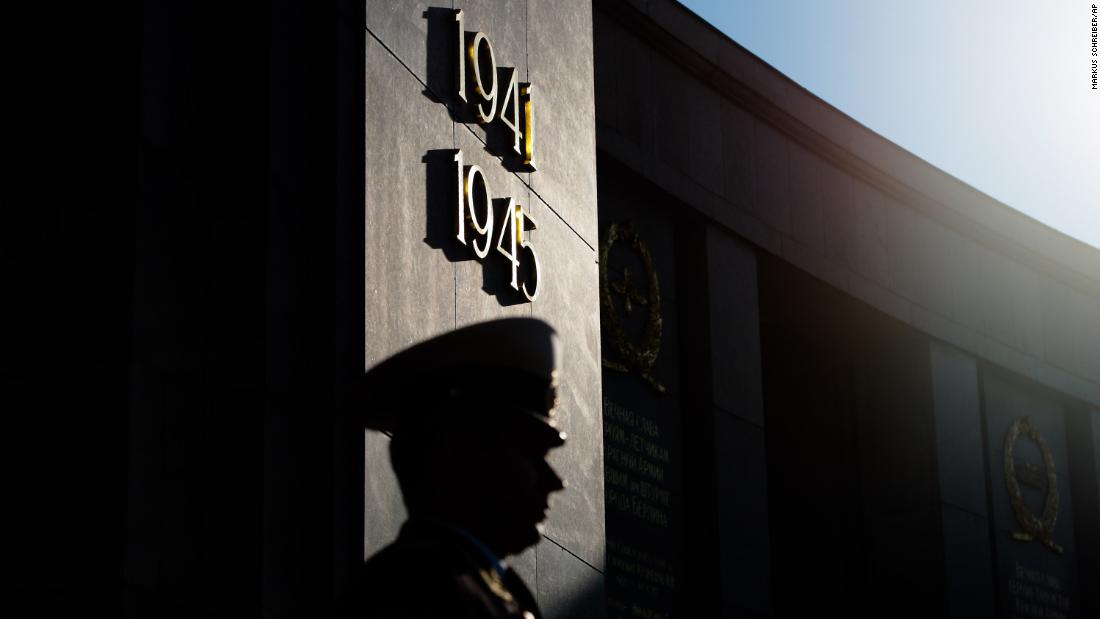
x: 471, y: 418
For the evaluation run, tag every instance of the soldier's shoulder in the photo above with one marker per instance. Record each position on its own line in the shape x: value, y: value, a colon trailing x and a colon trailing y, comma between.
x: 416, y: 577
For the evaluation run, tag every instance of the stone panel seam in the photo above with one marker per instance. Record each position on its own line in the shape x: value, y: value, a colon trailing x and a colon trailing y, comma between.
x: 737, y: 417
x: 534, y: 191
x: 966, y: 511
x: 562, y: 219
x: 402, y: 63
x: 571, y: 553
x: 478, y: 137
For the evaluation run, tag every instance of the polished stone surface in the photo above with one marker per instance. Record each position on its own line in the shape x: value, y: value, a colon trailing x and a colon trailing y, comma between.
x: 404, y: 28
x: 421, y: 281
x: 968, y: 565
x: 568, y: 300
x: 567, y: 587
x: 560, y: 62
x: 734, y: 327
x: 382, y: 496
x: 957, y: 411
x: 409, y: 285
x: 525, y: 565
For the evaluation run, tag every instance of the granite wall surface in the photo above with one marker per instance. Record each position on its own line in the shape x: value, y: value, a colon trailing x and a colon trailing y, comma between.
x: 420, y: 282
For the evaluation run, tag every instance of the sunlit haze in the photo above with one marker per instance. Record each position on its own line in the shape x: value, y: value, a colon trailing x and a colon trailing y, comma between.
x: 997, y: 94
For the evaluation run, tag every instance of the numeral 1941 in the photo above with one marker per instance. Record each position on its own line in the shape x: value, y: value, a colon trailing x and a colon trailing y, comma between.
x: 474, y: 59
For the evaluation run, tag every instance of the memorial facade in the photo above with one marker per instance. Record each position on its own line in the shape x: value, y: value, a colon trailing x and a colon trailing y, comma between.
x: 875, y: 391
x: 805, y: 369
x: 826, y: 374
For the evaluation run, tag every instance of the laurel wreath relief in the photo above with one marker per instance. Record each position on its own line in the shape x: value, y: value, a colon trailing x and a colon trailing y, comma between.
x: 638, y: 356
x: 1034, y: 528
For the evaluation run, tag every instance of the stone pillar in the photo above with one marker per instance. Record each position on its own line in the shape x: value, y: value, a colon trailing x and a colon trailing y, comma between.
x: 962, y: 481
x: 421, y: 282
x: 740, y: 463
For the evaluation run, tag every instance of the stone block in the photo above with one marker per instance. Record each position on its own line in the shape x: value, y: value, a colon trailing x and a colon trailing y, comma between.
x: 968, y: 565
x: 947, y: 330
x: 806, y: 198
x: 672, y: 131
x: 868, y: 255
x: 880, y: 298
x: 567, y: 587
x: 629, y: 61
x: 971, y: 285
x: 409, y: 284
x: 404, y: 27
x: 856, y: 225
x: 742, y: 488
x: 771, y: 184
x: 564, y: 110
x: 704, y: 109
x: 1027, y: 310
x: 1069, y: 326
x: 918, y: 254
x: 815, y: 264
x: 1000, y: 317
x: 568, y: 298
x: 734, y: 328
x: 957, y: 409
x: 737, y: 157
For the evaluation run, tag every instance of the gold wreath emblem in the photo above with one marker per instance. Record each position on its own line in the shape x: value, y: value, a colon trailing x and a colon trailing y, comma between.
x: 638, y: 356
x: 1029, y: 474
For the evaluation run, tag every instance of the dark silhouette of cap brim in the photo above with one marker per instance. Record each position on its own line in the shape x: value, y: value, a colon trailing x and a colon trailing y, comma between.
x: 506, y: 366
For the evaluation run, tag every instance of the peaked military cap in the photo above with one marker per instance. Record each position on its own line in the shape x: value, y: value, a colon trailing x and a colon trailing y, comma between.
x: 499, y: 367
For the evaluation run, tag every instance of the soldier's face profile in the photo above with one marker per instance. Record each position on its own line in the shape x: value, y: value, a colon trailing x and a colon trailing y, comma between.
x: 513, y: 486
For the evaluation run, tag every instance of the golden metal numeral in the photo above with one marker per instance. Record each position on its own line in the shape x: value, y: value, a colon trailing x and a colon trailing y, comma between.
x: 511, y: 104
x: 488, y: 95
x: 510, y: 233
x: 460, y: 59
x: 528, y: 126
x: 523, y: 219
x: 477, y: 185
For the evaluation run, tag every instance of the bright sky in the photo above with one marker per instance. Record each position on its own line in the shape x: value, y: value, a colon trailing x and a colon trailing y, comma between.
x: 997, y: 94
